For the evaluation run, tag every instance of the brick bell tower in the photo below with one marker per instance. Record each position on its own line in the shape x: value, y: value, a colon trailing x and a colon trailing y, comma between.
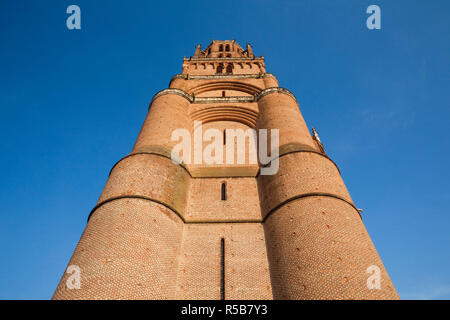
x: 163, y: 230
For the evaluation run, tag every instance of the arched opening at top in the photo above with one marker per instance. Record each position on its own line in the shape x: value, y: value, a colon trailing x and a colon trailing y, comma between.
x: 221, y: 47
x: 219, y: 68
x: 227, y: 47
x: 230, y: 68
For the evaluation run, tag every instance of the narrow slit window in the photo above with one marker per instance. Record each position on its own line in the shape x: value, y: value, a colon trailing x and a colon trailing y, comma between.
x: 224, y: 191
x: 222, y: 269
x: 224, y: 137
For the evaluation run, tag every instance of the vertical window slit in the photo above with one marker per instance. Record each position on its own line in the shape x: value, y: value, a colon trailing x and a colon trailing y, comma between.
x: 224, y: 191
x: 225, y: 137
x: 222, y: 269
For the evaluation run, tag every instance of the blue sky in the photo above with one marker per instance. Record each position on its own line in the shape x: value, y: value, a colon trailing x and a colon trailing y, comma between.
x: 72, y: 104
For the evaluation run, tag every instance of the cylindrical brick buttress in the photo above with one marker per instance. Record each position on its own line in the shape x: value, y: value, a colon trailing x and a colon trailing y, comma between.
x: 168, y: 112
x: 278, y: 109
x: 270, y: 81
x: 317, y: 245
x: 131, y: 245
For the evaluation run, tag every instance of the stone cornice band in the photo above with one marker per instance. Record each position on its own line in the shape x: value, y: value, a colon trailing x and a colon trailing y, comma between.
x: 267, y: 91
x: 168, y: 207
x: 285, y: 150
x: 307, y: 195
x: 270, y: 213
x: 235, y: 99
x: 155, y: 153
x: 133, y: 196
x: 179, y: 92
x: 223, y: 76
x: 224, y: 59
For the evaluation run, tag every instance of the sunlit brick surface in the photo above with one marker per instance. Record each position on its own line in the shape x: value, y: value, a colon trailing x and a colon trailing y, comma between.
x: 318, y: 248
x: 167, y: 113
x: 129, y: 250
x: 299, y: 174
x: 136, y: 175
x: 279, y: 111
x: 156, y: 230
x: 241, y: 204
x: 247, y: 270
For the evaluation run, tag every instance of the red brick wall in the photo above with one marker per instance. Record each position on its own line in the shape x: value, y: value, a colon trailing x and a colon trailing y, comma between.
x: 318, y: 248
x: 129, y: 250
x: 156, y: 230
x: 247, y: 270
x: 241, y: 204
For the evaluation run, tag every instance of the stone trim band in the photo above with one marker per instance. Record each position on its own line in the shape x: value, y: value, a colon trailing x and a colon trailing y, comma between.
x: 282, y: 154
x: 188, y: 172
x: 235, y: 99
x: 179, y: 92
x: 222, y: 76
x: 98, y: 205
x: 192, y: 99
x: 224, y: 58
x: 153, y: 153
x: 307, y: 195
x: 267, y: 91
x: 271, y: 211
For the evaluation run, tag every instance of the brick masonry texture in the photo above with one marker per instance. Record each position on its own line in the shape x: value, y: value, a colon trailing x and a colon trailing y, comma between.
x: 156, y: 230
x: 300, y: 173
x: 129, y: 250
x: 226, y: 170
x: 204, y: 202
x: 318, y: 248
x: 247, y: 271
x: 279, y: 111
x: 167, y: 113
x: 136, y: 175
